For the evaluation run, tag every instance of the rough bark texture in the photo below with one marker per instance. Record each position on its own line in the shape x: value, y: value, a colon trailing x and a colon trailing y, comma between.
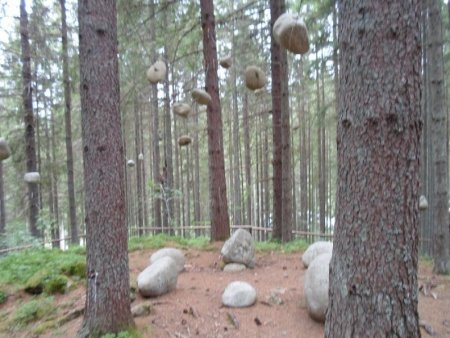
x: 303, y: 154
x: 373, y: 272
x: 68, y: 127
x: 439, y: 140
x: 139, y: 167
x: 30, y: 143
x: 107, y: 297
x: 248, y: 163
x: 2, y: 205
x: 220, y: 224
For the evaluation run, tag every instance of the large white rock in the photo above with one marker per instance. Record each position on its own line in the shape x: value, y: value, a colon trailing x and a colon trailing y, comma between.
x: 32, y: 177
x: 5, y: 151
x: 315, y: 250
x: 316, y: 287
x: 239, y: 294
x: 175, y: 254
x: 291, y: 33
x: 157, y: 72
x: 158, y: 278
x: 254, y: 78
x: 239, y: 248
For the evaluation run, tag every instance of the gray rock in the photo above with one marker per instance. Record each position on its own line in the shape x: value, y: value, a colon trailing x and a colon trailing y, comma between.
x: 315, y: 250
x: 158, y: 278
x: 175, y: 254
x: 239, y: 248
x: 141, y: 310
x: 239, y: 294
x: 234, y: 267
x: 316, y: 287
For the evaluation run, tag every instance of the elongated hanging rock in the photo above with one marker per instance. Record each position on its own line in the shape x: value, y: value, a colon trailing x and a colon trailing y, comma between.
x: 254, y: 78
x: 5, y: 152
x: 200, y: 96
x: 184, y: 140
x: 156, y: 72
x: 32, y: 177
x: 226, y: 62
x: 291, y: 33
x: 181, y: 109
x: 131, y: 163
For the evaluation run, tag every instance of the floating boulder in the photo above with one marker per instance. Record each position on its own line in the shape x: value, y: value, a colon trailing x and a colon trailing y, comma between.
x: 201, y: 96
x: 423, y: 203
x: 141, y: 157
x: 290, y: 32
x: 32, y: 177
x: 234, y: 267
x: 131, y: 163
x: 184, y: 140
x: 158, y: 278
x: 239, y: 248
x: 175, y: 254
x: 5, y: 152
x: 239, y: 294
x: 316, y: 287
x: 181, y: 109
x: 226, y: 62
x: 254, y: 78
x: 156, y: 72
x: 315, y: 250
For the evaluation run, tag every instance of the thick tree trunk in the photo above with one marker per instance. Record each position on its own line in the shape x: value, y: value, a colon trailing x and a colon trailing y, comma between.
x: 30, y: 143
x: 107, y: 307
x: 373, y: 271
x: 439, y: 140
x: 68, y: 127
x: 220, y: 226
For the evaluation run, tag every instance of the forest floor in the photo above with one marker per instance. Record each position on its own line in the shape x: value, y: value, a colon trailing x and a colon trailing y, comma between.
x: 194, y: 308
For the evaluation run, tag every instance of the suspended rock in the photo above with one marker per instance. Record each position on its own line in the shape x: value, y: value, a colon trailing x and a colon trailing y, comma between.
x: 141, y: 157
x: 315, y: 250
x: 32, y: 177
x: 226, y: 62
x: 131, y: 163
x: 291, y: 33
x: 423, y: 203
x: 254, y: 78
x: 239, y: 294
x: 182, y: 109
x: 5, y: 152
x: 156, y: 72
x: 184, y: 140
x: 200, y: 96
x: 316, y: 287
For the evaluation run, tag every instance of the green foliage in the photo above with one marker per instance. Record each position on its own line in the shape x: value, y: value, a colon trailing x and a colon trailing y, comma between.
x: 3, y: 297
x: 130, y: 333
x: 293, y: 246
x: 76, y: 268
x: 33, y: 310
x: 162, y: 240
x: 46, y: 281
x: 56, y: 284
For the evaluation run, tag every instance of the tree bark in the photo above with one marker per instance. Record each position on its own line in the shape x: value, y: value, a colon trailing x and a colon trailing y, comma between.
x: 68, y: 127
x: 30, y: 143
x: 107, y: 308
x: 220, y: 226
x: 373, y: 271
x: 248, y: 163
x: 2, y: 205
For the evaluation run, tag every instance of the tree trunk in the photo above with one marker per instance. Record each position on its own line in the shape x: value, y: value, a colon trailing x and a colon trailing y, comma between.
x: 2, y: 205
x: 373, y: 271
x: 303, y: 154
x: 68, y: 127
x: 30, y: 143
x: 439, y: 140
x: 107, y: 308
x: 139, y: 167
x: 220, y: 226
x: 248, y: 163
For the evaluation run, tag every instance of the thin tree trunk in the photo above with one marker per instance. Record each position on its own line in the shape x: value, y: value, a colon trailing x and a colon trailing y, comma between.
x: 220, y: 226
x: 68, y: 128
x: 2, y: 205
x: 248, y: 163
x: 30, y: 144
x: 139, y: 167
x: 303, y: 154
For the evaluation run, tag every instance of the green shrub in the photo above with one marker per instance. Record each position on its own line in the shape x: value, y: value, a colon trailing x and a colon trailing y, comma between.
x: 56, y: 284
x: 3, y: 297
x: 33, y: 310
x: 76, y: 268
x: 36, y: 283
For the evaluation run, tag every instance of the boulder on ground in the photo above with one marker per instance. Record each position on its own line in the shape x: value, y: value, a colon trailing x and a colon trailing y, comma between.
x: 254, y: 78
x: 158, y: 278
x: 141, y: 310
x: 315, y: 250
x: 176, y: 254
x: 156, y: 72
x: 234, y: 267
x: 316, y: 287
x: 239, y: 248
x: 239, y: 294
x: 291, y: 33
x: 5, y: 152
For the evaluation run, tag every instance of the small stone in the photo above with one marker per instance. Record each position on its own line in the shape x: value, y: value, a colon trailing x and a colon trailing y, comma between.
x: 141, y: 310
x: 239, y: 294
x: 234, y: 267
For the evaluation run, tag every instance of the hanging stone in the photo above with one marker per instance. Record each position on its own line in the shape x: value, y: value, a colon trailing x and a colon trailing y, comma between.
x: 290, y: 32
x: 156, y: 72
x: 5, y: 152
x: 200, y: 96
x: 254, y: 78
x: 181, y: 109
x: 423, y: 203
x: 184, y: 140
x: 131, y: 163
x: 32, y: 177
x: 141, y: 157
x: 226, y: 62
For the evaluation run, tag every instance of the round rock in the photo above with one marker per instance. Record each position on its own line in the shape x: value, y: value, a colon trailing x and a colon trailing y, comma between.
x: 175, y: 254
x: 239, y: 248
x: 239, y: 294
x: 315, y: 250
x: 316, y: 287
x: 5, y: 151
x: 158, y: 278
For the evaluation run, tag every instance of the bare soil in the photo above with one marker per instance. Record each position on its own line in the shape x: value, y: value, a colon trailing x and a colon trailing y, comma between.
x: 194, y: 309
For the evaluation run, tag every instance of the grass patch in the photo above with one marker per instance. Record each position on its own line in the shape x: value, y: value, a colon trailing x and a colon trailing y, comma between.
x: 3, y: 297
x: 164, y: 240
x: 130, y: 333
x: 33, y: 310
x: 297, y: 245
